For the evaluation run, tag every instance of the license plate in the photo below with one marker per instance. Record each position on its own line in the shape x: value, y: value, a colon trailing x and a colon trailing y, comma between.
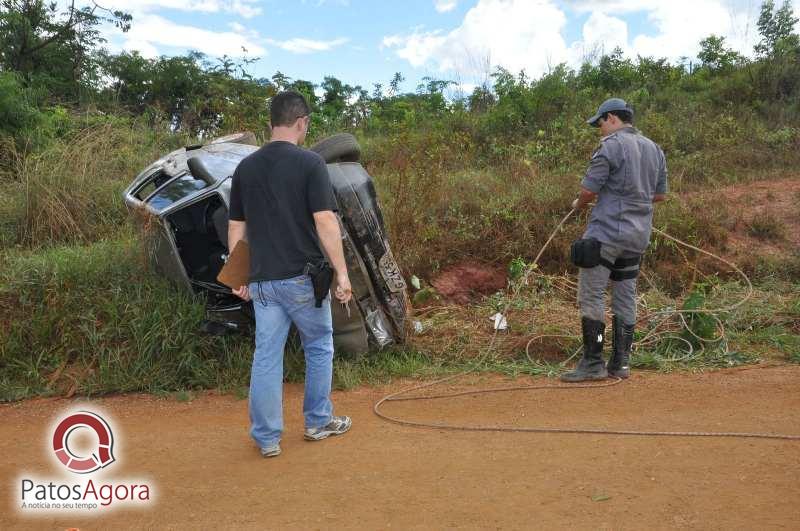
x: 391, y: 273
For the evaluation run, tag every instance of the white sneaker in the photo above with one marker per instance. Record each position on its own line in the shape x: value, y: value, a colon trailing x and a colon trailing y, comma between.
x: 271, y: 451
x: 337, y: 426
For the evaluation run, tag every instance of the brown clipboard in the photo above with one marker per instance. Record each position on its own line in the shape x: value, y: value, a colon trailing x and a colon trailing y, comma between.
x: 236, y: 271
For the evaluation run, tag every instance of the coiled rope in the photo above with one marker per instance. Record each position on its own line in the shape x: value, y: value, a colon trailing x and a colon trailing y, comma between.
x: 399, y: 395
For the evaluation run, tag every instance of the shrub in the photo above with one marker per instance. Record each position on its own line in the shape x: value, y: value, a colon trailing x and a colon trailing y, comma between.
x: 766, y: 227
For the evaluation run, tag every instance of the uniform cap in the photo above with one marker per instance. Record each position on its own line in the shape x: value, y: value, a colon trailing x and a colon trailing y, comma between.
x: 612, y: 104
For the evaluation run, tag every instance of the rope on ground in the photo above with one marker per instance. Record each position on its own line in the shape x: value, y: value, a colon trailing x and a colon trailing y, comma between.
x: 652, y: 336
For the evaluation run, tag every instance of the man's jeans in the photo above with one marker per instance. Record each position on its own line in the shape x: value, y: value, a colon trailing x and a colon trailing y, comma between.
x: 277, y: 304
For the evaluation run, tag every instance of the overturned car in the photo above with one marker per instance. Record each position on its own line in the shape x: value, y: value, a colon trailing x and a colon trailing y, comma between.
x: 181, y: 202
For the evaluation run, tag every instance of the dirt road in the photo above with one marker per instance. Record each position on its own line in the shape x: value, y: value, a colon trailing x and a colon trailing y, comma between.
x: 208, y: 474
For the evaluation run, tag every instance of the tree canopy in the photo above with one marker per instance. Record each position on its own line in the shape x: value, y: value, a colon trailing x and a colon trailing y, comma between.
x: 55, y: 58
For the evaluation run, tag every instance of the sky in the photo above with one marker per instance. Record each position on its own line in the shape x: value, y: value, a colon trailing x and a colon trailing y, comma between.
x: 365, y: 42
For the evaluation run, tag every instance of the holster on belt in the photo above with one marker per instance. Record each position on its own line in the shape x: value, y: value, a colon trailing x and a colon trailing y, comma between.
x: 321, y: 275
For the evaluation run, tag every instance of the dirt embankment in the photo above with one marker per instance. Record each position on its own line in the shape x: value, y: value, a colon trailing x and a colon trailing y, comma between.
x: 766, y: 218
x: 764, y: 222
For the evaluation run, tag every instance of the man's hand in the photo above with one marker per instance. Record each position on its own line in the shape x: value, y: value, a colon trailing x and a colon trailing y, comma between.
x: 659, y: 197
x: 243, y: 293
x: 583, y: 199
x: 343, y: 291
x: 331, y: 239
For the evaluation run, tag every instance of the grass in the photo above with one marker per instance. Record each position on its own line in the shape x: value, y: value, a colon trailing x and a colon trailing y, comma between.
x: 92, y: 319
x: 71, y: 192
x: 766, y: 227
x: 765, y: 327
x: 81, y: 314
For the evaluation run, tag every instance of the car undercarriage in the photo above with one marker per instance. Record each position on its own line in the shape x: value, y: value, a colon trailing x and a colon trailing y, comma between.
x: 181, y: 204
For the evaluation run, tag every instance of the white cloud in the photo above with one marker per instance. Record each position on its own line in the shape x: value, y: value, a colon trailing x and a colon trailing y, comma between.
x: 418, y: 47
x: 515, y: 34
x: 605, y: 32
x: 149, y: 31
x: 153, y: 30
x: 443, y: 6
x: 527, y: 34
x: 300, y: 45
x: 678, y: 26
x: 320, y: 3
x: 144, y: 48
x: 682, y: 25
x: 616, y: 6
x: 237, y: 27
x: 243, y: 8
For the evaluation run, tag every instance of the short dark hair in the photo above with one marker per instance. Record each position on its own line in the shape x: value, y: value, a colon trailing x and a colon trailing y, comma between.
x: 625, y: 116
x: 286, y: 107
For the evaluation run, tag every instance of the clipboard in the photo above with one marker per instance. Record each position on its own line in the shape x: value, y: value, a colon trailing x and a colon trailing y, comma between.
x: 236, y: 271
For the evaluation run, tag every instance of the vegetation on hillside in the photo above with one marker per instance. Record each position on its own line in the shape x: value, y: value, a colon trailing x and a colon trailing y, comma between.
x: 480, y: 175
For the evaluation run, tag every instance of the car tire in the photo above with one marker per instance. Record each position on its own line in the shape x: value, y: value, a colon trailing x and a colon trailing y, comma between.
x: 245, y: 137
x: 342, y: 147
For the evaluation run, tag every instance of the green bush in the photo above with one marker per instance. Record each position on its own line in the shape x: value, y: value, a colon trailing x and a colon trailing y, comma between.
x: 19, y: 115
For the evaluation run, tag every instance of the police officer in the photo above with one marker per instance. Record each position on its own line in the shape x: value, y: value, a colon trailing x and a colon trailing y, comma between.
x: 627, y: 174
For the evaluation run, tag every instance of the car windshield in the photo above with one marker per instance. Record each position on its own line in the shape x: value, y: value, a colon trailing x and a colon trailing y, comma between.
x: 176, y: 190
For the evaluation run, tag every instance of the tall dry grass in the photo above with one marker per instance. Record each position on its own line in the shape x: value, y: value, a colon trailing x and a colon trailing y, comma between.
x: 71, y: 192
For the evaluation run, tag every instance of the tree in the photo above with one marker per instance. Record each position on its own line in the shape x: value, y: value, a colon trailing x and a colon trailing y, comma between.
x: 335, y: 97
x: 778, y: 71
x: 481, y: 99
x: 307, y: 89
x: 715, y: 56
x: 613, y: 73
x: 777, y: 30
x: 131, y: 79
x: 19, y: 116
x: 394, y: 84
x: 51, y: 48
x: 281, y: 81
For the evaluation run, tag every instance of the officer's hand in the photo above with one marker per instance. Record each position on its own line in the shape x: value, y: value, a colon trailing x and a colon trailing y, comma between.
x: 343, y: 291
x: 242, y: 293
x: 575, y: 203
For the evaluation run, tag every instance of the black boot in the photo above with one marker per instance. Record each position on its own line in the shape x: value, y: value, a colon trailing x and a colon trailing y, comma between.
x: 591, y: 366
x: 622, y: 340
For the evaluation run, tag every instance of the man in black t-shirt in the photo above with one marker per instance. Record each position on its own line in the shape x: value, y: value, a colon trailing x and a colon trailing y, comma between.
x: 282, y: 203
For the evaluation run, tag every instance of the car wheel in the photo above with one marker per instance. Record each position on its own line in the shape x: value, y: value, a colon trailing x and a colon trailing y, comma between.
x: 342, y: 147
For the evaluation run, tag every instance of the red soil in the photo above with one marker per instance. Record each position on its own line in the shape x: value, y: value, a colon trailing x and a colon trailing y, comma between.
x: 466, y: 281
